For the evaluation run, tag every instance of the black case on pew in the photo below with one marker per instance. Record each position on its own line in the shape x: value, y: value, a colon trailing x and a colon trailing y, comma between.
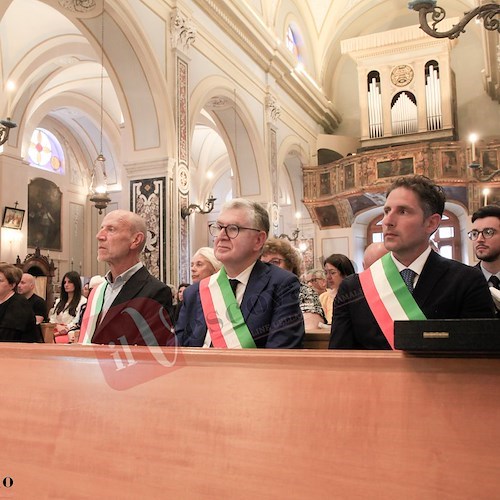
x: 448, y: 335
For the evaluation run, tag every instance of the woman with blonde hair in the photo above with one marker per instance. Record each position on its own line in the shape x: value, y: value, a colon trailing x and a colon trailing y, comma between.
x: 204, y: 264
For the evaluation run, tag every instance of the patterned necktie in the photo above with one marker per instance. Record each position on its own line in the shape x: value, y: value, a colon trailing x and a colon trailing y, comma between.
x: 494, y: 282
x: 234, y: 284
x: 408, y: 276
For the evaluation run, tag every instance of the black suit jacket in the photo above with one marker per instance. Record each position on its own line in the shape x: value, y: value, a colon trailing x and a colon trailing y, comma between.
x: 139, y: 315
x: 478, y: 266
x: 446, y: 289
x: 270, y: 308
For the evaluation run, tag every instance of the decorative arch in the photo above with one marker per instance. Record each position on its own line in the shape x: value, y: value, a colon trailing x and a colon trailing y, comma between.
x: 253, y: 164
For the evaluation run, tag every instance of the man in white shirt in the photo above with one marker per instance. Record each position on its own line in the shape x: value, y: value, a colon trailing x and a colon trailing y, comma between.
x: 438, y: 288
x: 248, y: 303
x: 485, y: 237
x: 131, y: 306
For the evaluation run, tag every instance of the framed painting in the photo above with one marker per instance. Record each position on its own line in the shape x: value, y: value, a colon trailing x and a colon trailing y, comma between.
x: 449, y: 164
x: 393, y: 168
x: 13, y: 218
x: 349, y: 176
x: 44, y: 215
x: 489, y: 162
x: 324, y: 184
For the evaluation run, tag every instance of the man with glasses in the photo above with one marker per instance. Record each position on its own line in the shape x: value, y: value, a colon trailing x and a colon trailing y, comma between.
x: 485, y: 236
x: 248, y: 303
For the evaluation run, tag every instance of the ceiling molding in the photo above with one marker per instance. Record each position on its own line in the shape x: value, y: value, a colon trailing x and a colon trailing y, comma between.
x: 243, y: 27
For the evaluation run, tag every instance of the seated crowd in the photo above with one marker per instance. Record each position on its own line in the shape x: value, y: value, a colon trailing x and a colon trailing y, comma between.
x: 246, y: 292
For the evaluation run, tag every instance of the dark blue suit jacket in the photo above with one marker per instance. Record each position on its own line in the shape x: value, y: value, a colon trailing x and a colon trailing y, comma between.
x: 446, y: 289
x: 270, y: 307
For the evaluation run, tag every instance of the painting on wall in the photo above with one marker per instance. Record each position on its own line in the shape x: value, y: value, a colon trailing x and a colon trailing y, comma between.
x: 392, y: 168
x: 13, y: 218
x: 324, y: 184
x: 349, y: 176
x: 44, y: 215
x: 489, y: 162
x: 327, y: 216
x: 449, y: 164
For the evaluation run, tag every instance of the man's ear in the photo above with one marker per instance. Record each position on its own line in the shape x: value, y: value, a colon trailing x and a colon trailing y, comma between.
x: 433, y: 222
x: 137, y: 240
x: 261, y: 239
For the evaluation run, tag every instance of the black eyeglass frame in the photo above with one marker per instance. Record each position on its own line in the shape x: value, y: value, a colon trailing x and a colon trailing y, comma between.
x: 487, y: 232
x: 219, y: 227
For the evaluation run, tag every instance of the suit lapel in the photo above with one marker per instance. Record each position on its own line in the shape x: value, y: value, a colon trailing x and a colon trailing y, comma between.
x: 259, y: 278
x: 130, y: 289
x: 434, y: 270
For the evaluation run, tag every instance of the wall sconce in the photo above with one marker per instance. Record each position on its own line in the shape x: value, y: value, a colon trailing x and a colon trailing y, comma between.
x: 5, y: 126
x: 294, y: 237
x: 476, y: 167
x: 193, y: 208
x: 485, y: 12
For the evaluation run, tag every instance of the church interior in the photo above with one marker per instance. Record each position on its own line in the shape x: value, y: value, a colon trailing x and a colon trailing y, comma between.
x: 308, y: 107
x: 312, y: 108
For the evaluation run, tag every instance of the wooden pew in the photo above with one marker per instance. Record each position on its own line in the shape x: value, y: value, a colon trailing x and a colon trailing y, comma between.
x: 89, y: 422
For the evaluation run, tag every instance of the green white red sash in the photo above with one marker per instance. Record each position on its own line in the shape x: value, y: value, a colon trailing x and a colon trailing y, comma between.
x: 91, y: 314
x: 388, y: 296
x: 222, y: 313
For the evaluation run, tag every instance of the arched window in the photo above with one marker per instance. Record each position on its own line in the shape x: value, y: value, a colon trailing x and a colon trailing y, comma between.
x: 446, y: 239
x: 45, y: 152
x: 292, y: 42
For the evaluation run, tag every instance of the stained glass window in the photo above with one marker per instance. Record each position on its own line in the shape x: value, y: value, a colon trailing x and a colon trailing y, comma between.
x: 45, y: 152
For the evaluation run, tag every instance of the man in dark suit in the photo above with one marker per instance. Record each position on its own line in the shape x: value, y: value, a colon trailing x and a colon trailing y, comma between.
x: 266, y: 296
x: 131, y: 307
x: 26, y: 287
x: 485, y: 237
x: 440, y: 287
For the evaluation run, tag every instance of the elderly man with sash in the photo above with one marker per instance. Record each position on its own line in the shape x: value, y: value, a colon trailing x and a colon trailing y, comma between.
x: 248, y: 303
x: 131, y: 307
x: 412, y: 281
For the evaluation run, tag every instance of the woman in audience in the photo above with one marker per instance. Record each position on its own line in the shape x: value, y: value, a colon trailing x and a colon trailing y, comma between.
x: 204, y: 264
x: 281, y: 253
x: 178, y: 302
x: 17, y: 320
x: 337, y: 267
x: 66, y: 310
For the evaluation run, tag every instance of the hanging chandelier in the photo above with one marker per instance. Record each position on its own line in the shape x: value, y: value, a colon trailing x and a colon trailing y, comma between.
x: 98, y: 185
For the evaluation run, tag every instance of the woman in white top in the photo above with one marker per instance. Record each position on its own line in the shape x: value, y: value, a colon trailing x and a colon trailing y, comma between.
x: 66, y: 310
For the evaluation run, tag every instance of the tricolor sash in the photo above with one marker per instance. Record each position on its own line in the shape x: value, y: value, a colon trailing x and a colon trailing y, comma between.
x: 225, y: 323
x: 388, y: 296
x: 91, y: 315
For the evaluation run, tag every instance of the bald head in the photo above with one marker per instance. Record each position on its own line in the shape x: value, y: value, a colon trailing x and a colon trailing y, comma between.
x: 26, y: 286
x: 373, y: 252
x: 120, y: 240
